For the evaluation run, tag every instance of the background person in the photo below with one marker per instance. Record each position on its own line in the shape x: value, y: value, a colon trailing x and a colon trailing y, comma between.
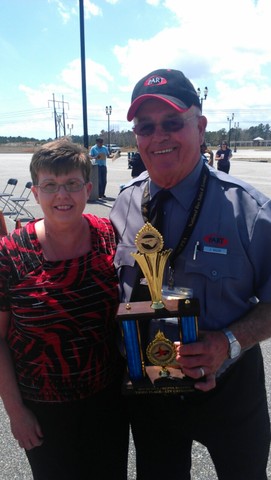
x: 136, y: 164
x: 223, y: 156
x: 99, y: 153
x: 207, y: 153
x: 60, y: 368
x: 224, y: 261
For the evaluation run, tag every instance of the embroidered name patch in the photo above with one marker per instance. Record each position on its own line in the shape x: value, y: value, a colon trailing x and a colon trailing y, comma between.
x: 215, y: 244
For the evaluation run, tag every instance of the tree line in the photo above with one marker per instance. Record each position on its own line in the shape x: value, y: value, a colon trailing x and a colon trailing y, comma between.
x: 126, y: 139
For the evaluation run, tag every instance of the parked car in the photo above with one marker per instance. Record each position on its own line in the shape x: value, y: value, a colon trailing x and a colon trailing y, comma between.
x: 113, y: 148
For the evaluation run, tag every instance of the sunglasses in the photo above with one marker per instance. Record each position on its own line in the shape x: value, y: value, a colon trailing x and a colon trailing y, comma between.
x: 146, y: 128
x: 72, y: 185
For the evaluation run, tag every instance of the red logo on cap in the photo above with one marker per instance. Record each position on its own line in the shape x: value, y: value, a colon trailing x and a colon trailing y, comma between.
x: 154, y: 80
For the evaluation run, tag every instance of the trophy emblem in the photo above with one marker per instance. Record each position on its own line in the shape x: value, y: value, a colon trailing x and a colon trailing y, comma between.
x: 150, y: 353
x: 161, y: 352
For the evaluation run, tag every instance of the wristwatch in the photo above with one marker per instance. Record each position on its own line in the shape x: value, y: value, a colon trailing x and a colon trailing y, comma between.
x: 234, y: 345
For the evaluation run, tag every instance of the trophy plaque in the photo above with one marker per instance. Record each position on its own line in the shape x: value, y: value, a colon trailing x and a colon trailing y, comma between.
x: 150, y: 328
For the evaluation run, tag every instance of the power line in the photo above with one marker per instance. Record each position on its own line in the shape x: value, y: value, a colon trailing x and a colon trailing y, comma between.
x: 22, y: 113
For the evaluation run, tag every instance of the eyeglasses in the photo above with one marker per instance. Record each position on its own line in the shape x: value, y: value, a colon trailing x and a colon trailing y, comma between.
x: 145, y: 128
x: 72, y: 185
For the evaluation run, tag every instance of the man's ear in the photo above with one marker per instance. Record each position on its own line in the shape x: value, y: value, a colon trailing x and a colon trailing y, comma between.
x: 202, y: 124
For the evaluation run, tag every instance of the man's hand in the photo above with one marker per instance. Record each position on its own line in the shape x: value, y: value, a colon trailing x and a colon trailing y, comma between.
x: 203, y: 358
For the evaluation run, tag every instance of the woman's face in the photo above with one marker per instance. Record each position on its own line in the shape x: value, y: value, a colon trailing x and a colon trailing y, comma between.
x: 62, y: 206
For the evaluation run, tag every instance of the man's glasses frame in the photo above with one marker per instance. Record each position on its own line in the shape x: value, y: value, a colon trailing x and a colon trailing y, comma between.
x: 71, y: 186
x: 146, y: 128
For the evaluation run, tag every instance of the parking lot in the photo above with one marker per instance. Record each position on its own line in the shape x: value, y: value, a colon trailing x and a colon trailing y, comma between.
x: 252, y: 166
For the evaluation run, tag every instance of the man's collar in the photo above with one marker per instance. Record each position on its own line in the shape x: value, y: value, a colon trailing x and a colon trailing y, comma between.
x: 185, y: 190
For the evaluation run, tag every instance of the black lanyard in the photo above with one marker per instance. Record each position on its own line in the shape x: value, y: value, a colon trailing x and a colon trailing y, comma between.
x: 191, y: 222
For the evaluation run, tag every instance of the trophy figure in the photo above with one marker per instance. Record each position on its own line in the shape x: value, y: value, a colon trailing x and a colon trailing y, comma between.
x: 152, y: 261
x: 150, y: 354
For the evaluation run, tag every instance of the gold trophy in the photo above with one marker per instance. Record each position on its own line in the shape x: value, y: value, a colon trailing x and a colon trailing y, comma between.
x: 152, y: 261
x: 150, y: 354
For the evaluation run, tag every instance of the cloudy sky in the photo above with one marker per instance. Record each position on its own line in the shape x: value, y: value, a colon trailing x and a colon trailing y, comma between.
x: 224, y: 45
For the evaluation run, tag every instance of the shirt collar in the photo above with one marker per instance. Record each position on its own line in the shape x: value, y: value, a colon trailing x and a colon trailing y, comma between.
x: 185, y: 190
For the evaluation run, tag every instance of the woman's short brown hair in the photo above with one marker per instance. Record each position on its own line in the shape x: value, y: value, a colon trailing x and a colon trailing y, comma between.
x: 60, y: 157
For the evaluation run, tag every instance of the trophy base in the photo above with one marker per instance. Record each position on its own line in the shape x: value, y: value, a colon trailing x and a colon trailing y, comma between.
x: 175, y: 383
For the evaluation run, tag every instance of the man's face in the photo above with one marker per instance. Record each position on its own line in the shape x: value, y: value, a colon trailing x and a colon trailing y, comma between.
x: 169, y: 156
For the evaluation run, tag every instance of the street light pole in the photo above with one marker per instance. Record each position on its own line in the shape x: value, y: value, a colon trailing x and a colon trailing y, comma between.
x: 230, y: 119
x: 236, y: 125
x: 205, y: 93
x: 83, y: 72
x: 108, y: 111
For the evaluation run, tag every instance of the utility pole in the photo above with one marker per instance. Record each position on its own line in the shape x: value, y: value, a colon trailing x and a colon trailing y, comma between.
x: 59, y: 119
x: 63, y: 116
x: 54, y: 106
x: 59, y: 125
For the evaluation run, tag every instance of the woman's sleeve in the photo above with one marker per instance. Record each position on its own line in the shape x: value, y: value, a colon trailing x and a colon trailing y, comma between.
x: 5, y: 273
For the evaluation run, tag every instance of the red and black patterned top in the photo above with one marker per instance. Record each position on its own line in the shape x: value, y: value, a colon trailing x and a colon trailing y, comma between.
x: 62, y: 333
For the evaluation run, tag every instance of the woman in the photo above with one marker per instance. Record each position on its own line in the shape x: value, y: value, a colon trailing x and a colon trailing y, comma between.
x: 60, y: 368
x: 223, y: 156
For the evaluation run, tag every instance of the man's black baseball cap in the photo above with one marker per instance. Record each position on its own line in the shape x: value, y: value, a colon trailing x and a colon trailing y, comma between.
x: 170, y: 86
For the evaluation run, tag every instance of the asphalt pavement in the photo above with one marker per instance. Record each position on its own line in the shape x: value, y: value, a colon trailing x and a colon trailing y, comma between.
x: 252, y: 166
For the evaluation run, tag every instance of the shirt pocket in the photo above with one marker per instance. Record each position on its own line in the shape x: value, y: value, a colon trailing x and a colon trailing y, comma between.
x: 217, y: 280
x: 215, y: 267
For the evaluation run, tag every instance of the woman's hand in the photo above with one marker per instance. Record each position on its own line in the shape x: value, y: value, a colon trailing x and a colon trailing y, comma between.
x: 26, y: 429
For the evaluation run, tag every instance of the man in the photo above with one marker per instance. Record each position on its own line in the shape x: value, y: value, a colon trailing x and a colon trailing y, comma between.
x: 209, y: 158
x: 136, y: 165
x: 225, y: 262
x: 99, y: 153
x: 223, y: 156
